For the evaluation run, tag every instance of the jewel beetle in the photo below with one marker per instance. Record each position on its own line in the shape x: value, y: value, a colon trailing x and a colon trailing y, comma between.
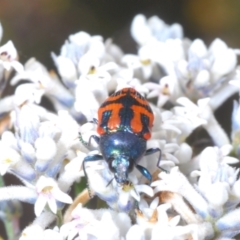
x: 124, y: 125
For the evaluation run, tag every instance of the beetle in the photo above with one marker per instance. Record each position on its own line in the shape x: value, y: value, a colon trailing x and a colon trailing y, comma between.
x: 124, y: 125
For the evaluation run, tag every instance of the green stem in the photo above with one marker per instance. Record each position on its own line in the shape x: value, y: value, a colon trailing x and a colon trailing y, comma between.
x: 9, y: 229
x: 7, y: 222
x: 11, y: 210
x: 59, y: 218
x: 2, y: 184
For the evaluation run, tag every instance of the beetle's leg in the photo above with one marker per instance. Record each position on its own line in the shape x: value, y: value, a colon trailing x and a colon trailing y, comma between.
x: 153, y: 150
x: 109, y: 182
x: 96, y: 138
x: 144, y: 172
x: 87, y: 144
x: 90, y: 158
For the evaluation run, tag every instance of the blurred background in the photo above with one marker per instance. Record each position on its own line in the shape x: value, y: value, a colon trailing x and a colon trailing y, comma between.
x: 39, y: 27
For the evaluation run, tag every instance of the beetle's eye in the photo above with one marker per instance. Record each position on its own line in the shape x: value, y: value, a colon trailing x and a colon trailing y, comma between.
x: 131, y: 165
x: 111, y: 163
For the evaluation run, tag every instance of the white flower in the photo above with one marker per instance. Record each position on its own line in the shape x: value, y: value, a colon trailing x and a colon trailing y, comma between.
x: 12, y: 159
x: 90, y: 68
x: 165, y: 90
x: 72, y: 51
x: 66, y: 69
x: 118, y: 196
x: 124, y: 78
x: 135, y: 232
x: 43, y: 83
x: 49, y: 193
x: 102, y: 224
x: 143, y: 30
x: 215, y: 176
x: 224, y: 58
x: 92, y: 86
x: 99, y: 177
x: 27, y: 123
x: 45, y: 151
x: 69, y: 128
x: 33, y: 232
x: 72, y: 172
x: 176, y: 182
x: 197, y: 200
x: 206, y: 72
x: 156, y: 223
x: 84, y: 93
x: 28, y: 92
x: 37, y: 230
x: 198, y: 114
x: 143, y: 61
x: 8, y: 57
x: 128, y: 192
x: 201, y: 114
x: 8, y: 158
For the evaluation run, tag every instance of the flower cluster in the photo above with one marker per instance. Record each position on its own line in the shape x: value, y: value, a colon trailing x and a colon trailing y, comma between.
x: 194, y: 195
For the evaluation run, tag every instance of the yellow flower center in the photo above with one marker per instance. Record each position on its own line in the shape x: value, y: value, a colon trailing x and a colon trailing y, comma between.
x: 146, y: 62
x: 165, y: 90
x: 8, y: 160
x: 47, y: 189
x: 92, y: 70
x: 128, y: 186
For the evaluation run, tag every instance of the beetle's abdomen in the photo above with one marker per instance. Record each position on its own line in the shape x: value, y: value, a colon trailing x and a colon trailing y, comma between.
x: 128, y: 111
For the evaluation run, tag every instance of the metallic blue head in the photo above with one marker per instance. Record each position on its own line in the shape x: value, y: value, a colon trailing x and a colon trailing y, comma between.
x: 122, y: 150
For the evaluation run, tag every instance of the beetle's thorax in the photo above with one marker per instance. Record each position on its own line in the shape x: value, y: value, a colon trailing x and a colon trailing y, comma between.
x: 122, y: 150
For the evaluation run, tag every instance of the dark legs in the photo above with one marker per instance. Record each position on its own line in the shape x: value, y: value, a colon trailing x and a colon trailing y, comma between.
x: 87, y: 144
x: 143, y: 170
x: 153, y: 150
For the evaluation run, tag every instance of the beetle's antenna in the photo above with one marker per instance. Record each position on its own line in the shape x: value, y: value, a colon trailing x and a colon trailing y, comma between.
x: 136, y: 204
x: 110, y: 182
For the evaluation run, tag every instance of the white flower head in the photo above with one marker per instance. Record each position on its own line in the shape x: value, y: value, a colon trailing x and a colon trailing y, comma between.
x: 144, y: 30
x: 8, y: 57
x: 102, y: 224
x: 206, y: 71
x: 216, y: 177
x: 214, y: 166
x: 77, y: 46
x: 49, y: 193
x: 42, y: 83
